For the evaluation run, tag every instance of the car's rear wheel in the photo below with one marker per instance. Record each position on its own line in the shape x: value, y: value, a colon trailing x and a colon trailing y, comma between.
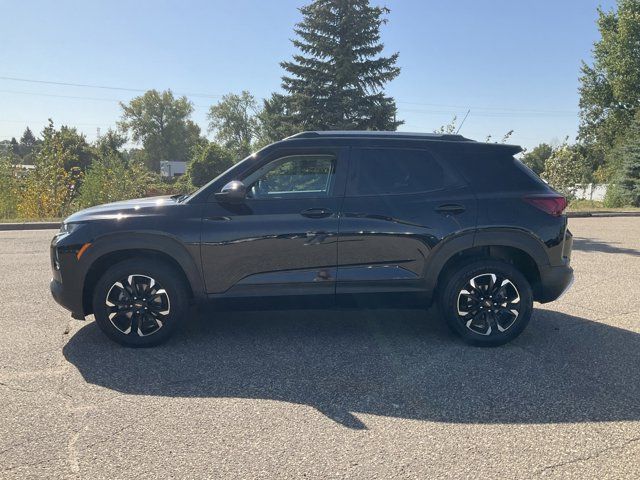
x: 486, y: 302
x: 139, y: 302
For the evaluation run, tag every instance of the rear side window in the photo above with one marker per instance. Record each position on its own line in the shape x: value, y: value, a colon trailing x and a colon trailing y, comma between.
x: 496, y: 171
x: 387, y: 171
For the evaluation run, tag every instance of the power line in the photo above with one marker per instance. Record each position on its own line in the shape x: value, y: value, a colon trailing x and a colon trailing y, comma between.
x: 504, y: 110
x: 44, y: 122
x: 490, y: 114
x: 103, y: 87
x: 74, y: 97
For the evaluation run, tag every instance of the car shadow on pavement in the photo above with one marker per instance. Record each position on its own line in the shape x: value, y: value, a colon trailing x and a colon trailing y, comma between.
x: 396, y: 363
x: 590, y: 245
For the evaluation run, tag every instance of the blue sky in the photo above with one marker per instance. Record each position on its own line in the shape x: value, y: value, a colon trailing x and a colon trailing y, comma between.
x: 515, y: 64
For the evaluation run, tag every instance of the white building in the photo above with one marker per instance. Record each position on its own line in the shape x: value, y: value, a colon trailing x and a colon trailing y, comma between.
x: 591, y: 191
x: 172, y: 169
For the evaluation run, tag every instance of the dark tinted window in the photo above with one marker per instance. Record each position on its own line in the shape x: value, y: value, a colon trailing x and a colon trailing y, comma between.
x: 490, y: 170
x: 394, y: 171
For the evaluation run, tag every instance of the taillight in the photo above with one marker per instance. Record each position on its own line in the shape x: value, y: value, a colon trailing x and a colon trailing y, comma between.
x: 552, y: 204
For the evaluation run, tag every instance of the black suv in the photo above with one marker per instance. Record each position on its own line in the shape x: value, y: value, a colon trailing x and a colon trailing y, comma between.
x: 351, y: 218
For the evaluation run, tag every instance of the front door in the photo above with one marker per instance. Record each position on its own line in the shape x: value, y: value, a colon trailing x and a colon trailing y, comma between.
x: 282, y: 239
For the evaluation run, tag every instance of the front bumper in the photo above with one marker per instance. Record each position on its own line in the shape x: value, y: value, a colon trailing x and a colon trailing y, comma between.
x: 70, y: 302
x: 68, y: 273
x: 554, y: 282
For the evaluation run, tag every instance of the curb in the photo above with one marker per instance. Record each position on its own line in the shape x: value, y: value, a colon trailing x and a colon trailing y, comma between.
x: 603, y: 214
x: 30, y: 226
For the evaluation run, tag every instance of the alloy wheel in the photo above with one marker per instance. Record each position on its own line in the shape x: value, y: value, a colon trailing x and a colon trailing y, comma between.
x: 488, y: 303
x: 137, y: 305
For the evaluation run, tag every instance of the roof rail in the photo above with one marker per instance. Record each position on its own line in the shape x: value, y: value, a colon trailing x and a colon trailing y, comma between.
x: 380, y: 134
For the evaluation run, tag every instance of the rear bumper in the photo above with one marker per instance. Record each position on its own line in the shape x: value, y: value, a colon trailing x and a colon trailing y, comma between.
x: 64, y: 299
x: 554, y: 282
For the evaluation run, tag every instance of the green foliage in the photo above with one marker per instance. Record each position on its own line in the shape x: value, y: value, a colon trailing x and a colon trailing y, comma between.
x: 110, y: 144
x: 78, y: 153
x: 28, y: 143
x: 9, y: 188
x: 275, y: 121
x: 614, y: 198
x: 182, y: 184
x: 565, y: 168
x: 109, y: 179
x: 449, y: 128
x: 610, y: 88
x: 625, y: 188
x: 162, y: 124
x: 536, y: 158
x: 235, y: 123
x: 51, y: 186
x: 208, y: 162
x: 337, y: 79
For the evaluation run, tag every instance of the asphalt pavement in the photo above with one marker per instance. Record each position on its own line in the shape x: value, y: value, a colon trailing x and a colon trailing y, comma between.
x: 327, y: 393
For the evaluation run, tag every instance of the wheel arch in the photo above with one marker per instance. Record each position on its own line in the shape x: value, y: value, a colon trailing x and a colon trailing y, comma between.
x: 519, y: 248
x: 111, y: 249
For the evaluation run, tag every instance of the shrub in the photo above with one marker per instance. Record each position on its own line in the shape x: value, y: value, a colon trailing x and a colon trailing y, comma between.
x: 208, y: 162
x: 9, y: 189
x: 564, y: 169
x: 110, y: 180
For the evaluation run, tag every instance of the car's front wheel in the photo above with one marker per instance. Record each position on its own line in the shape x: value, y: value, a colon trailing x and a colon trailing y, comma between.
x: 139, y: 302
x: 487, y: 302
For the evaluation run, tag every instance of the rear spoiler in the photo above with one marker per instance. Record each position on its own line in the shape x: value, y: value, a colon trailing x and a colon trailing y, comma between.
x: 503, y: 148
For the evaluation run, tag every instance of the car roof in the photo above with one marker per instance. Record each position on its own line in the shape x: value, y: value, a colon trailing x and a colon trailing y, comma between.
x: 367, y: 135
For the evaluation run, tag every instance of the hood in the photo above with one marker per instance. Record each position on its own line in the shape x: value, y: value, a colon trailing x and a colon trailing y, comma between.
x: 138, y: 207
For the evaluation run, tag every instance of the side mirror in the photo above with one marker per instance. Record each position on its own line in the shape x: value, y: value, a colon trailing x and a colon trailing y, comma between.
x: 232, y: 192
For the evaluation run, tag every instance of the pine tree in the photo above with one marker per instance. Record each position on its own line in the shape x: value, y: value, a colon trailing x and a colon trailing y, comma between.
x: 629, y: 183
x: 337, y: 79
x: 28, y: 139
x: 27, y: 145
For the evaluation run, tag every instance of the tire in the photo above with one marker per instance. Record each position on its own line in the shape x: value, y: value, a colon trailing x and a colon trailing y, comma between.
x: 493, y: 313
x: 140, y: 302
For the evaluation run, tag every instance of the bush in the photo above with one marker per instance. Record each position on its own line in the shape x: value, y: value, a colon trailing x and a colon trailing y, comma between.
x: 208, y: 162
x: 614, y: 198
x: 110, y: 180
x: 564, y: 169
x: 9, y: 189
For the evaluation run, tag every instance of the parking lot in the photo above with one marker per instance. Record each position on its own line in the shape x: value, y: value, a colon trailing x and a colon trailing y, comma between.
x: 327, y: 394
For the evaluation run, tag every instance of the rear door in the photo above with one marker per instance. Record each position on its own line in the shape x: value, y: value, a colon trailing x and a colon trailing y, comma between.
x: 399, y: 204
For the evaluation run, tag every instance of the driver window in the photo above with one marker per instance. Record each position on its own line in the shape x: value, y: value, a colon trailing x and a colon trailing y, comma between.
x: 293, y: 176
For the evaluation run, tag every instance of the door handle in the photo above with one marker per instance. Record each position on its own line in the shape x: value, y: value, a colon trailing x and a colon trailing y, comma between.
x: 316, y: 213
x: 450, y: 209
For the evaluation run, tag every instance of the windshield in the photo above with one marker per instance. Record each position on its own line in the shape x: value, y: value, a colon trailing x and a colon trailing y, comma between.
x: 236, y: 168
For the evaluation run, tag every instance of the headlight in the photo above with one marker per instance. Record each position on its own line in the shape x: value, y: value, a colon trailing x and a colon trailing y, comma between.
x: 68, y: 228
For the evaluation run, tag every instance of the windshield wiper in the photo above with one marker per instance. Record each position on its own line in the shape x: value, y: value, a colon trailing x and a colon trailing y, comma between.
x: 180, y: 197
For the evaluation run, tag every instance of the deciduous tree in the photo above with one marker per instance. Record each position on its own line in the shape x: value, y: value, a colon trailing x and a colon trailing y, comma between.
x: 162, y: 124
x: 51, y: 186
x: 235, y: 123
x: 565, y: 169
x: 536, y: 158
x: 610, y: 88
